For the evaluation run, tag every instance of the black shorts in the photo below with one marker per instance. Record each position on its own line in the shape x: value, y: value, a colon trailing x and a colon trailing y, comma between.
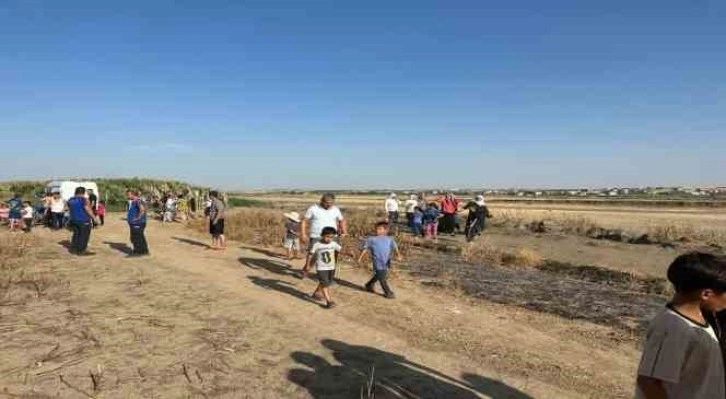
x: 325, y: 277
x: 216, y: 229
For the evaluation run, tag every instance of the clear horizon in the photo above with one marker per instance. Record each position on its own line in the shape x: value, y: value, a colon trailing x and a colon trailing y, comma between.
x: 285, y: 94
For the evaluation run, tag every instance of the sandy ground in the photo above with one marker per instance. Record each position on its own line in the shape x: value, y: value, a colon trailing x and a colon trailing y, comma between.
x: 190, y: 322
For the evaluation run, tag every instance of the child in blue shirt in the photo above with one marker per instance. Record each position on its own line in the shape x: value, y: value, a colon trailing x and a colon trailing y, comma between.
x: 381, y: 247
x: 417, y: 222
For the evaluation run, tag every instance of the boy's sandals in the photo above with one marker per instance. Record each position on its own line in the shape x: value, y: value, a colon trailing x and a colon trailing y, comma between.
x: 330, y: 305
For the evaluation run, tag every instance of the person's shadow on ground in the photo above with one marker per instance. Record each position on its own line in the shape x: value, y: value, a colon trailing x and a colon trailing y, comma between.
x: 266, y: 252
x: 393, y: 376
x: 191, y: 242
x: 282, y: 286
x: 271, y: 266
x: 285, y: 269
x: 120, y: 246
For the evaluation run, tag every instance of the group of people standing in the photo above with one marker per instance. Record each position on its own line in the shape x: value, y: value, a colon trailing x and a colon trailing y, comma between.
x: 428, y: 218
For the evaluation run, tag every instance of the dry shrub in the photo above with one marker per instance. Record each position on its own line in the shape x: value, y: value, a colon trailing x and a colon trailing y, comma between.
x: 482, y: 251
x: 523, y: 257
x: 573, y: 224
x: 669, y: 232
x: 510, y: 218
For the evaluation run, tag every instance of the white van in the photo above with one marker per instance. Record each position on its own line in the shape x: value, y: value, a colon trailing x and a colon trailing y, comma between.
x: 67, y: 188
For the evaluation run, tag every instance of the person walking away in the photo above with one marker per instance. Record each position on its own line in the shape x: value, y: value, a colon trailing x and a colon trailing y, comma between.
x: 169, y: 209
x: 216, y: 221
x: 57, y: 208
x: 392, y: 204
x: 93, y: 199
x: 319, y: 216
x: 136, y: 218
x: 101, y: 212
x: 380, y: 247
x: 324, y: 253
x: 47, y: 214
x: 417, y: 224
x: 478, y: 212
x: 449, y: 207
x: 14, y: 215
x: 291, y: 242
x: 81, y: 221
x: 410, y: 207
x: 28, y: 216
x: 431, y: 221
x: 682, y: 356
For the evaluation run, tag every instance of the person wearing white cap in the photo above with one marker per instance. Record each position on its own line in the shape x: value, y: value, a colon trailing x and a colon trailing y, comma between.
x: 392, y: 205
x: 291, y: 242
x: 478, y: 213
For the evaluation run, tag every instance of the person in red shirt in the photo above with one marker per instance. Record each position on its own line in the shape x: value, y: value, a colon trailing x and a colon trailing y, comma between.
x: 449, y: 207
x: 101, y: 211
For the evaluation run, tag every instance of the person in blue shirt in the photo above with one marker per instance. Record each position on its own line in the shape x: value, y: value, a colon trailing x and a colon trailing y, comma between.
x: 15, y: 215
x: 431, y: 220
x: 381, y: 247
x: 81, y: 222
x: 417, y: 222
x: 136, y: 217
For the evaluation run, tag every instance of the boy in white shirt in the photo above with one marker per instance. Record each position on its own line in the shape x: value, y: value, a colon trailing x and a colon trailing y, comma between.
x: 28, y: 216
x: 324, y: 254
x: 682, y: 355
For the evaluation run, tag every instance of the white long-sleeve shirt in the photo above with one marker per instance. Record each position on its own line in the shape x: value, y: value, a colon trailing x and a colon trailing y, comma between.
x: 391, y: 205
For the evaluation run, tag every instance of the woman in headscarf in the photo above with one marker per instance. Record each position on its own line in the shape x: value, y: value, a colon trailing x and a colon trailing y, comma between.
x: 478, y: 213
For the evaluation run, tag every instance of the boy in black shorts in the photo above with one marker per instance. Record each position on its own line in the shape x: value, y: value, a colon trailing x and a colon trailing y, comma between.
x: 324, y: 254
x: 682, y: 354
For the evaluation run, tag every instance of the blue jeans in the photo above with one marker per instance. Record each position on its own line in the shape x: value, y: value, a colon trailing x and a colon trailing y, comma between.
x: 417, y: 229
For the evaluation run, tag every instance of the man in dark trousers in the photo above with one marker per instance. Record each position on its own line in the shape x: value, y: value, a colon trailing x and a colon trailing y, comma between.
x: 136, y: 218
x: 81, y: 221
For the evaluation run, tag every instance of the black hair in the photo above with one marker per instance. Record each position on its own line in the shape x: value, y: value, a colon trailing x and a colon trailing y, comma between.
x: 80, y: 190
x: 329, y: 196
x: 328, y: 230
x: 382, y: 224
x: 214, y: 194
x: 695, y: 271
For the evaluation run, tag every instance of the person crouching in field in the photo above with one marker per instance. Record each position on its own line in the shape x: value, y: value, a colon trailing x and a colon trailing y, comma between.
x: 682, y: 355
x: 381, y: 247
x: 291, y: 242
x: 324, y: 254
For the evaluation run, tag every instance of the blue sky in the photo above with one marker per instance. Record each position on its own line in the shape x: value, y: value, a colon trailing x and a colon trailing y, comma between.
x: 260, y: 94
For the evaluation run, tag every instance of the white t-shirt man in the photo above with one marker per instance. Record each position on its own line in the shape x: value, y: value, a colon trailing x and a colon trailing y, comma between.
x: 57, y: 205
x: 391, y: 205
x: 321, y: 218
x: 325, y: 255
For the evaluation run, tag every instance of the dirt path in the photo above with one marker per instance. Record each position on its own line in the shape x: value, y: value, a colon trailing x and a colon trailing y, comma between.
x: 189, y: 322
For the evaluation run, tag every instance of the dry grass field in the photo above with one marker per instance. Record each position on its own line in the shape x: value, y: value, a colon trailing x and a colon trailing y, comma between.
x: 520, y: 313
